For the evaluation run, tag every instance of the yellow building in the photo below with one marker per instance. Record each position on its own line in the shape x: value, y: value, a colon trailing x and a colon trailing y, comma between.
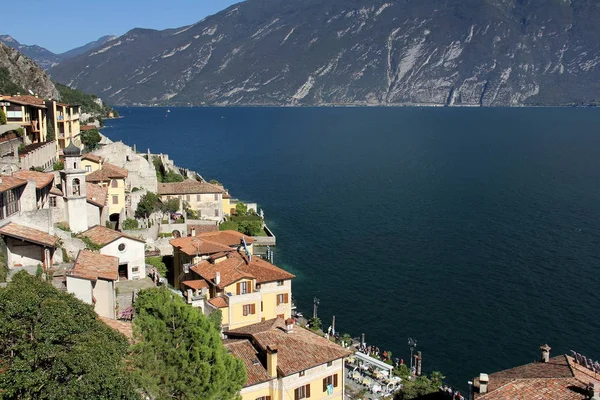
x: 246, y: 288
x: 29, y: 112
x: 284, y: 361
x: 91, y: 162
x: 113, y: 178
x: 65, y: 121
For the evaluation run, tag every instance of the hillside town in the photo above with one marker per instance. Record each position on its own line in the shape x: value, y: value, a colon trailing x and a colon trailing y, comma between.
x: 87, y: 221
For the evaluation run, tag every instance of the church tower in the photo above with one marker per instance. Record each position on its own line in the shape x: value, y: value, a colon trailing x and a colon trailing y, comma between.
x: 73, y: 187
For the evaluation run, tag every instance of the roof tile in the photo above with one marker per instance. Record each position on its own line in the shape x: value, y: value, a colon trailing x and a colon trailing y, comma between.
x: 106, y: 173
x: 41, y: 179
x: 189, y: 186
x: 90, y: 265
x: 29, y: 234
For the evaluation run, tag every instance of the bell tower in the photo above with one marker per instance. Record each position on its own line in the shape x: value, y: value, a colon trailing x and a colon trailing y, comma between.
x: 74, y: 189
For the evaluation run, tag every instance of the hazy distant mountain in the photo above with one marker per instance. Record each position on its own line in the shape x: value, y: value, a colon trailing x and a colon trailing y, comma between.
x: 314, y: 52
x: 43, y: 57
x: 85, y: 48
x: 20, y: 74
x: 47, y: 59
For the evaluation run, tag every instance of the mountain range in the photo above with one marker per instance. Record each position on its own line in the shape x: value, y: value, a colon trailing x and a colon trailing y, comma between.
x: 360, y: 52
x: 47, y: 59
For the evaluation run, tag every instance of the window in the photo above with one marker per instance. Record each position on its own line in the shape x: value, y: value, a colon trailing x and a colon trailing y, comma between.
x: 115, y: 199
x: 198, y: 197
x: 114, y: 183
x: 216, y: 197
x: 261, y: 306
x: 216, y: 212
x: 282, y: 298
x: 52, y: 201
x: 264, y: 398
x: 135, y: 269
x: 243, y: 287
x: 279, y: 283
x: 75, y: 187
x: 12, y: 202
x: 301, y: 373
x: 187, y: 197
x: 122, y: 247
x: 303, y: 392
x: 249, y: 309
x: 88, y: 168
x: 14, y: 114
x: 330, y: 363
x: 330, y: 380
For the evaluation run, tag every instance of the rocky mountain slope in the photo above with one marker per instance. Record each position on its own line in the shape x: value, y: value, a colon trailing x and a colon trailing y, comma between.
x: 22, y: 72
x: 43, y: 57
x: 316, y: 52
x: 47, y: 59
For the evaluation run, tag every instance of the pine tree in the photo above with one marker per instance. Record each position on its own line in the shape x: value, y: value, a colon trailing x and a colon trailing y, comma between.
x: 179, y: 353
x: 53, y: 346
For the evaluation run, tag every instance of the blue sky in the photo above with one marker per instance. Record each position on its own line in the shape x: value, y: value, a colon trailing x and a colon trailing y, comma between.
x: 64, y: 25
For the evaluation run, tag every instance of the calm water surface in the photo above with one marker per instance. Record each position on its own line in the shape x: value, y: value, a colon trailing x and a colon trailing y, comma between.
x: 475, y: 231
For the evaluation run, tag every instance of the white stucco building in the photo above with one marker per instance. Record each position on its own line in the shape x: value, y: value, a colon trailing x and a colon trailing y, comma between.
x: 129, y: 250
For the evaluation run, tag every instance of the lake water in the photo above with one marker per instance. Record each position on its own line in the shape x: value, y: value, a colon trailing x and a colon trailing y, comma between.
x: 475, y: 231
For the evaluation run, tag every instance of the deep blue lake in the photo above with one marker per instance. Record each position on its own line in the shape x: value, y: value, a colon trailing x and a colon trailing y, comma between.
x: 475, y: 231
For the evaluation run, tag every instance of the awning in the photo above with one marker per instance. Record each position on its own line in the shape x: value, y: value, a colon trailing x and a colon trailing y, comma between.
x: 373, y: 361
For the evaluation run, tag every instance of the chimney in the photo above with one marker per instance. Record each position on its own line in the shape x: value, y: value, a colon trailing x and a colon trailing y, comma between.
x: 193, y: 231
x: 218, y: 278
x: 272, y: 361
x: 545, y: 353
x: 189, y: 296
x: 484, y: 380
x: 289, y: 325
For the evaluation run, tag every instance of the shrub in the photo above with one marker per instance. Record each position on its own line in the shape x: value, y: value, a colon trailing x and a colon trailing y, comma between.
x: 228, y: 226
x: 58, y: 166
x: 63, y: 226
x: 158, y: 263
x: 2, y: 117
x: 130, y: 224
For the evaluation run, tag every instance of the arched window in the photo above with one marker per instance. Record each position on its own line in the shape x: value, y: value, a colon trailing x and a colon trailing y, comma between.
x: 114, y: 183
x: 76, y: 187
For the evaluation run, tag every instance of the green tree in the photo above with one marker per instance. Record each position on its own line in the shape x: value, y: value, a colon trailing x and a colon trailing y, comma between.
x: 130, y: 224
x: 171, y: 176
x: 53, y: 346
x: 250, y: 228
x: 170, y: 206
x: 58, y: 166
x: 315, y: 323
x: 148, y: 204
x: 241, y: 208
x: 91, y: 138
x: 2, y: 117
x: 50, y: 136
x: 179, y: 354
x: 228, y: 226
x: 421, y: 386
x: 158, y: 263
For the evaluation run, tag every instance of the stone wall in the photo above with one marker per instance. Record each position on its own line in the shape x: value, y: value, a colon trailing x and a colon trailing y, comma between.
x: 43, y: 156
x: 141, y: 172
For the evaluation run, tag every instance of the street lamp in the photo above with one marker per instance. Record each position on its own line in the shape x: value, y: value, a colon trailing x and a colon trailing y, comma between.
x: 412, y: 343
x: 315, y: 306
x: 470, y: 389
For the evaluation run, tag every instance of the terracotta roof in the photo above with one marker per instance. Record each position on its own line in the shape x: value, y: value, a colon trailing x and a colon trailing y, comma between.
x: 96, y: 194
x: 41, y: 179
x: 220, y: 301
x: 189, y: 186
x: 56, y: 191
x: 126, y: 328
x: 28, y: 234
x: 93, y: 266
x: 87, y: 128
x: 196, y: 284
x: 106, y: 173
x: 237, y: 266
x: 10, y: 182
x: 91, y: 156
x: 296, y: 351
x: 26, y: 100
x: 229, y: 237
x: 226, y: 195
x: 560, y: 378
x: 243, y: 350
x: 102, y: 235
x: 192, y: 245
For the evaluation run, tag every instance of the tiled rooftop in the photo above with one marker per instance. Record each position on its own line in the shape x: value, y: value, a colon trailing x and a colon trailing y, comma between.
x: 10, y: 182
x: 96, y: 194
x: 26, y: 100
x: 193, y: 245
x: 90, y: 156
x: 102, y: 235
x: 220, y: 301
x: 28, y: 234
x: 41, y: 179
x: 189, y: 186
x: 90, y: 265
x: 560, y: 378
x: 106, y: 173
x: 238, y: 266
x: 126, y: 328
x: 243, y: 350
x: 296, y: 351
x: 196, y: 284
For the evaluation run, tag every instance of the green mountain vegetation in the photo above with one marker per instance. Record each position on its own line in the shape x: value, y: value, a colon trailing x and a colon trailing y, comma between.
x: 89, y: 103
x: 7, y: 86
